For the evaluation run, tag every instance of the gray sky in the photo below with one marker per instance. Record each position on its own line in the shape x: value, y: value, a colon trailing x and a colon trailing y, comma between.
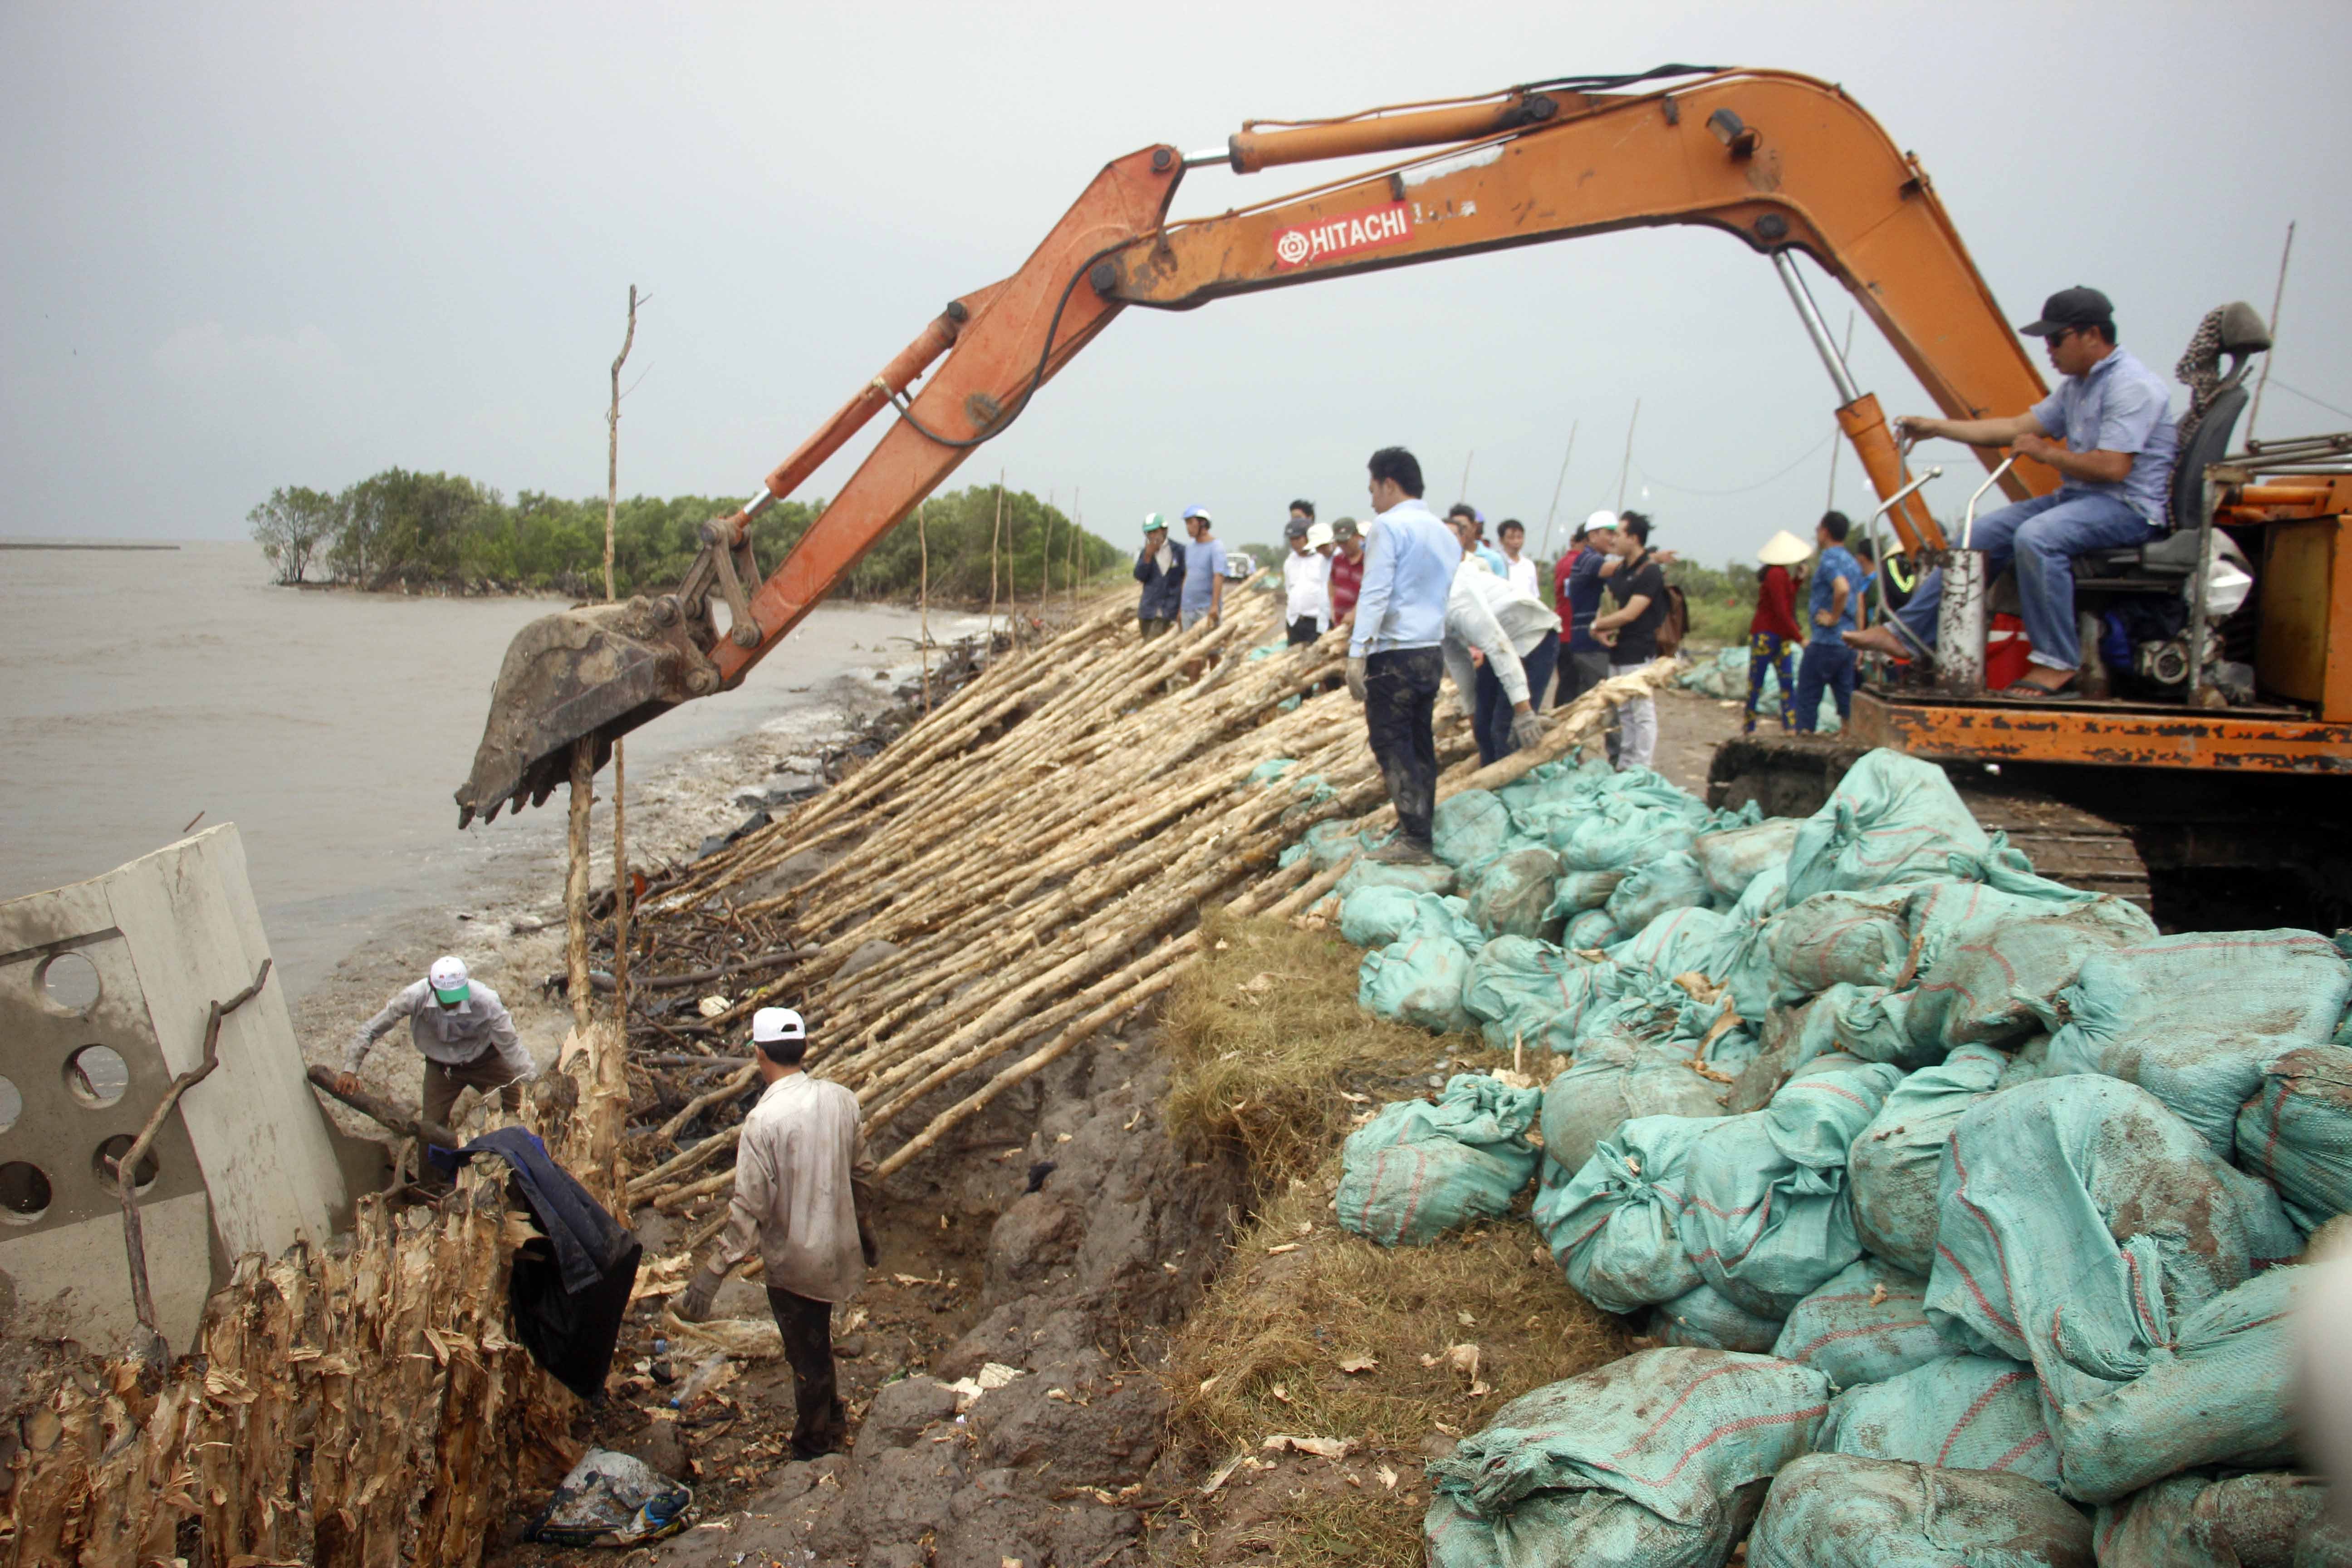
x: 252, y: 245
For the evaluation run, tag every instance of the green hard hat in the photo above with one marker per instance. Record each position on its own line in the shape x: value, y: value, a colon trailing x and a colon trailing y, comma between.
x: 1153, y: 521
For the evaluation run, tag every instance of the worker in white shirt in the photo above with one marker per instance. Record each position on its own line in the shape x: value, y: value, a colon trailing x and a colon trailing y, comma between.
x: 797, y: 1167
x: 1305, y: 584
x: 461, y: 1028
x: 1501, y: 645
x: 1512, y: 535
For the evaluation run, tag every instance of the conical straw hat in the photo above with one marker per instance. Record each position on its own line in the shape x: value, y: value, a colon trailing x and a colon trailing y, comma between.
x: 1783, y: 549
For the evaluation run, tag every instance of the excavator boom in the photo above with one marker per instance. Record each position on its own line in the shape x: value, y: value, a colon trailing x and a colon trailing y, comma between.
x: 1783, y: 162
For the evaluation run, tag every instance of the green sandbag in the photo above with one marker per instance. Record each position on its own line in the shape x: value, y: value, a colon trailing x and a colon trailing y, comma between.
x: 1611, y: 1085
x: 1682, y: 941
x: 1895, y: 1165
x: 1836, y: 1510
x: 1437, y: 877
x: 1612, y: 1224
x: 1995, y: 950
x: 1514, y: 893
x: 1765, y: 897
x: 1853, y: 938
x: 1655, y: 1462
x: 1328, y: 843
x: 1667, y: 883
x: 1577, y: 892
x: 2296, y: 1132
x: 1970, y: 1413
x: 2193, y: 1019
x: 1707, y: 1319
x: 1417, y: 1169
x: 1592, y: 930
x: 1518, y: 988
x: 1470, y: 828
x: 1375, y: 917
x: 2201, y: 1521
x: 1893, y: 819
x: 1868, y: 1324
x: 1733, y: 859
x: 1870, y: 1022
x: 1418, y: 980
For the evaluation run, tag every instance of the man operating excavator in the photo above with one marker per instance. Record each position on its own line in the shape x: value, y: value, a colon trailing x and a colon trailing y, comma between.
x: 2108, y: 430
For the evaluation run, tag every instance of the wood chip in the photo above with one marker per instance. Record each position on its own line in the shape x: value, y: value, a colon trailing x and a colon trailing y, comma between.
x: 1386, y: 1477
x: 1332, y: 1448
x: 1358, y: 1363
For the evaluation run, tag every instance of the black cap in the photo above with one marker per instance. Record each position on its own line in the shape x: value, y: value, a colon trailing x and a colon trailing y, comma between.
x: 2077, y: 307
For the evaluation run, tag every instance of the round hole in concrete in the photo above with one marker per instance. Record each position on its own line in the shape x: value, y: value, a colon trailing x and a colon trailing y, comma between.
x: 68, y: 983
x: 12, y: 1104
x: 97, y: 1075
x: 23, y: 1192
x: 113, y: 1149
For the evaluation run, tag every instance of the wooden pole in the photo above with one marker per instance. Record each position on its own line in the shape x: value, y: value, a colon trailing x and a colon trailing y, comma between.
x: 994, y: 534
x: 2278, y: 297
x: 575, y: 880
x: 1626, y: 466
x: 621, y: 888
x: 1557, y: 486
x: 1463, y: 495
x: 923, y: 597
x: 1046, y: 556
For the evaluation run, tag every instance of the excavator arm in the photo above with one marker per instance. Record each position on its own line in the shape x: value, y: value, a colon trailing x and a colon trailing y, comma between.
x: 1784, y: 162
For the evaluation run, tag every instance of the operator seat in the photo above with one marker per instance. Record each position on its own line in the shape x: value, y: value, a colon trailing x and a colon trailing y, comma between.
x: 2216, y: 400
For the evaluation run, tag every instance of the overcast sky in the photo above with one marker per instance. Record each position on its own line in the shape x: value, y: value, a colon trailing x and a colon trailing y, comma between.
x: 248, y: 247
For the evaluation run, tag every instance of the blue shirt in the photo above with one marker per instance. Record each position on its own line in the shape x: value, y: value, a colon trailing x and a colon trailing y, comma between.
x: 1410, y: 559
x: 2119, y: 406
x: 1836, y: 562
x: 1493, y: 559
x: 1204, y: 562
x: 1585, y: 584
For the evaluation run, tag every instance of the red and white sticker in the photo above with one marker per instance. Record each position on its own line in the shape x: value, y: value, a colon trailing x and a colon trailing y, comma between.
x: 1343, y: 236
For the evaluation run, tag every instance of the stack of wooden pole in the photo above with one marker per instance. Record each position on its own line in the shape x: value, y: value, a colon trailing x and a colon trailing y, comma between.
x: 1038, y: 852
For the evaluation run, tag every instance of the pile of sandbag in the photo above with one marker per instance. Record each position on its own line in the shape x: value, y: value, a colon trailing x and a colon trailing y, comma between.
x: 2022, y: 1185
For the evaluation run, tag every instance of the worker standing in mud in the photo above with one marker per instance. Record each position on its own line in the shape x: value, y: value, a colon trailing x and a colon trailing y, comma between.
x: 797, y: 1170
x: 1395, y: 661
x: 467, y: 1037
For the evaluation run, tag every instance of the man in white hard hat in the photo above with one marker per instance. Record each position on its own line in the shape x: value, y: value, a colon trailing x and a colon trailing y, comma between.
x: 1579, y: 585
x: 800, y: 1159
x: 463, y: 1030
x: 1204, y: 571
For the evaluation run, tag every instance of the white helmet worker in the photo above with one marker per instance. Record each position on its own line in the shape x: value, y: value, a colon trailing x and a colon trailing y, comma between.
x: 1318, y: 534
x: 773, y: 1025
x: 1600, y: 520
x: 448, y: 979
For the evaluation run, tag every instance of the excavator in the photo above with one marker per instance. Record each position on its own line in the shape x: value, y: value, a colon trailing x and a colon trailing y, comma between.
x: 2242, y: 721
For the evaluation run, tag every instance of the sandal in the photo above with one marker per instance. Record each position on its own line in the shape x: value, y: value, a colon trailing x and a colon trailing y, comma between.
x: 2030, y: 691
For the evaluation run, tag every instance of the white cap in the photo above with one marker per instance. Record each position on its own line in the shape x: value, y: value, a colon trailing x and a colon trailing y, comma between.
x: 1601, y: 520
x: 448, y: 973
x: 1318, y: 534
x: 771, y: 1025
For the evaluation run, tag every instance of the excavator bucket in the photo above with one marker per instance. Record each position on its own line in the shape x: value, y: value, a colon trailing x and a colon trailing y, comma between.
x: 594, y: 673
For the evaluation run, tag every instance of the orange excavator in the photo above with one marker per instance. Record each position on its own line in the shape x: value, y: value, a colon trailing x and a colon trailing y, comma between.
x: 1784, y: 164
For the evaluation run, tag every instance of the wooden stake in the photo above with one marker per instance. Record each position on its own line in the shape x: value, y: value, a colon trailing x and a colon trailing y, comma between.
x: 1558, y: 484
x: 923, y: 598
x: 575, y: 880
x: 621, y: 888
x: 2278, y: 297
x: 994, y: 533
x: 1626, y: 466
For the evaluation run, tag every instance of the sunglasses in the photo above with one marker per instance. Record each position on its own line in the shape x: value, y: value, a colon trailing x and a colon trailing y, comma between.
x: 2061, y: 335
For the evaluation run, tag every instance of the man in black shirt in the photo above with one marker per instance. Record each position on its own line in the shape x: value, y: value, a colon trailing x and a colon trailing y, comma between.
x: 1631, y: 632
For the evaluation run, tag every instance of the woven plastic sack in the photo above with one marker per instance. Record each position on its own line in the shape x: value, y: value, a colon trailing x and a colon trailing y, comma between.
x: 1994, y: 953
x: 1607, y: 1087
x: 2080, y: 1223
x: 1765, y: 1219
x: 1612, y: 1224
x: 2222, y: 1393
x: 2271, y: 1521
x: 1766, y: 896
x: 2029, y: 1061
x: 1866, y: 1325
x: 1577, y: 892
x: 1328, y: 843
x: 2296, y: 1132
x: 1731, y: 860
x: 1669, y: 883
x: 1434, y: 877
x: 2193, y: 1019
x: 1418, y: 979
x: 1469, y: 828
x: 1592, y: 929
x: 1375, y: 917
x: 1659, y: 1460
x: 1835, y: 1511
x: 1870, y: 1022
x: 1961, y: 1413
x: 1417, y: 1169
x: 1893, y: 819
x: 1831, y: 939
x: 1514, y: 893
x: 1894, y: 1166
x: 1684, y: 941
x: 1529, y: 991
x: 1707, y: 1319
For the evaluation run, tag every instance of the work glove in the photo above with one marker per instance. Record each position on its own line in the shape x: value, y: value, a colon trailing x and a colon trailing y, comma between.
x: 695, y: 1305
x: 1356, y: 678
x: 868, y: 1244
x: 1527, y: 729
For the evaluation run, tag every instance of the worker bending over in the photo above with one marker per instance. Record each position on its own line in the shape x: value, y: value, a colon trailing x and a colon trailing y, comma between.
x: 467, y: 1037
x: 1516, y: 638
x: 1394, y: 663
x: 798, y: 1164
x: 2108, y: 430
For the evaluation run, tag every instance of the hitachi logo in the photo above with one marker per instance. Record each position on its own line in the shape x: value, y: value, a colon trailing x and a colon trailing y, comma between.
x: 1342, y: 236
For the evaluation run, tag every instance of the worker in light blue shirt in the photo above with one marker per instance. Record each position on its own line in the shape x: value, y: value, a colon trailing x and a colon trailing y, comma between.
x: 1205, y: 572
x: 2109, y: 432
x: 1470, y: 524
x: 1395, y: 661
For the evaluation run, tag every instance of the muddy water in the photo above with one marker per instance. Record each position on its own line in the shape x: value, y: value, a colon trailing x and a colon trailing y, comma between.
x: 138, y: 690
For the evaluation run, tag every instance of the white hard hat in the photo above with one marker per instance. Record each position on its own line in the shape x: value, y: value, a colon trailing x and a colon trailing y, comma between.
x: 1318, y: 534
x: 1601, y: 520
x: 447, y: 977
x: 774, y: 1024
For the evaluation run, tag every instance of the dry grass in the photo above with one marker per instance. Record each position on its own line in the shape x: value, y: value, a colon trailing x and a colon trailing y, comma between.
x: 1268, y: 1042
x: 1267, y: 1067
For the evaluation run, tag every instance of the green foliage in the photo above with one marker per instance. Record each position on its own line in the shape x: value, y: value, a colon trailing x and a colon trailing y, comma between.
x: 413, y: 530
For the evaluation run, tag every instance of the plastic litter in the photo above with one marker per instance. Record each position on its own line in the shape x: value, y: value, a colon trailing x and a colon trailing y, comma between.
x: 1733, y: 859
x: 1835, y: 1511
x: 613, y: 1499
x: 1613, y: 1224
x: 1868, y: 1324
x: 1513, y: 894
x: 1893, y: 819
x: 1962, y: 1413
x: 2197, y: 1521
x: 1654, y: 1461
x: 1707, y: 1319
x: 1894, y: 1164
x: 1417, y: 1170
x: 2194, y: 1019
x: 2296, y: 1132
